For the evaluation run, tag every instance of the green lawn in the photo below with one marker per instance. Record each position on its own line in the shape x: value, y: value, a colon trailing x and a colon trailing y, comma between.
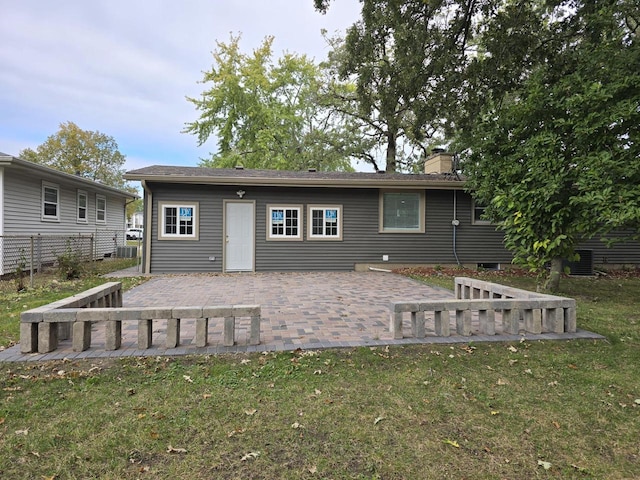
x: 509, y: 410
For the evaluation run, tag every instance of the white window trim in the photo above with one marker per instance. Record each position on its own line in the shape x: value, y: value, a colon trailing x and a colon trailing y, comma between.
x: 56, y: 217
x: 82, y: 193
x: 98, y: 198
x: 323, y: 236
x: 473, y: 215
x: 178, y: 236
x: 422, y: 207
x: 283, y: 237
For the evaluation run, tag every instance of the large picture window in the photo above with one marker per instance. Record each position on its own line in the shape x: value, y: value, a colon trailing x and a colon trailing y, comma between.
x: 50, y: 202
x: 179, y: 221
x: 284, y: 222
x: 325, y: 222
x: 402, y: 212
x: 82, y: 202
x: 101, y: 209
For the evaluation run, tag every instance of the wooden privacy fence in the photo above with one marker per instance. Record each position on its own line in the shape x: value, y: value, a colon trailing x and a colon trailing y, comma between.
x: 520, y: 310
x: 42, y: 327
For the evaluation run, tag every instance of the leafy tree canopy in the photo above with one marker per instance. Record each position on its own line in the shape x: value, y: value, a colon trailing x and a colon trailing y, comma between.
x: 267, y: 113
x: 88, y: 154
x: 554, y: 145
x: 405, y: 59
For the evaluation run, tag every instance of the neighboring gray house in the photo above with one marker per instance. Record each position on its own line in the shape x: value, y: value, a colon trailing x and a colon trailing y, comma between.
x: 39, y: 201
x: 236, y: 220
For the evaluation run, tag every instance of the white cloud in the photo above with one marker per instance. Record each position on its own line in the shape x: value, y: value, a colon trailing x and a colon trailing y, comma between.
x: 125, y: 67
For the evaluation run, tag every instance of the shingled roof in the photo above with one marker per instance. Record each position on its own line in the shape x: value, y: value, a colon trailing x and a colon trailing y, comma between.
x: 241, y: 176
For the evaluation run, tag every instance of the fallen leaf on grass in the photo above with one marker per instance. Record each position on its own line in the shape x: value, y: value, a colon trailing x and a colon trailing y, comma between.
x: 250, y: 412
x: 250, y: 456
x: 556, y: 424
x: 206, y: 395
x: 636, y: 401
x: 52, y: 477
x: 187, y: 378
x: 545, y: 465
x: 244, y: 361
x: 502, y: 382
x: 171, y: 449
x: 313, y: 469
x: 453, y: 443
x: 512, y: 349
x: 22, y: 432
x: 296, y: 425
x: 494, y: 412
x: 318, y: 392
x: 378, y: 420
x: 235, y: 432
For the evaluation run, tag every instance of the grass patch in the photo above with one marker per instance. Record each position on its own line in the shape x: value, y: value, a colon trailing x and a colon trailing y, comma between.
x: 48, y: 287
x: 509, y: 410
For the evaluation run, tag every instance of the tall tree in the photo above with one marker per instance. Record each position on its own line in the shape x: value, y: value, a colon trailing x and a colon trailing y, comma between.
x: 554, y: 150
x: 85, y: 153
x: 265, y: 112
x: 405, y: 58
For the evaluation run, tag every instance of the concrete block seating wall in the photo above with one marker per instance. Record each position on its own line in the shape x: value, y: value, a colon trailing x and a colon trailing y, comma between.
x: 41, y: 328
x: 520, y: 310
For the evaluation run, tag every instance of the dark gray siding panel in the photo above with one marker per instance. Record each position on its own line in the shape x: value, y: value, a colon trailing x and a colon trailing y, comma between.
x: 189, y: 255
x: 361, y: 243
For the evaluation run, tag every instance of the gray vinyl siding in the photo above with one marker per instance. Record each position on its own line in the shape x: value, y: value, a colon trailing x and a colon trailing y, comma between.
x: 23, y: 206
x: 361, y: 240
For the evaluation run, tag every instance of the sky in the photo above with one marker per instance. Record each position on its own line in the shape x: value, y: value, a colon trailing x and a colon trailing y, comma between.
x: 124, y: 67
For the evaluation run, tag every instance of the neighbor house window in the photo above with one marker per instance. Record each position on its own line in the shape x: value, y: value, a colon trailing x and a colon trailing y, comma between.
x: 101, y: 209
x: 284, y: 222
x: 50, y: 201
x: 402, y: 212
x: 325, y: 222
x: 478, y: 214
x: 179, y: 221
x: 82, y: 200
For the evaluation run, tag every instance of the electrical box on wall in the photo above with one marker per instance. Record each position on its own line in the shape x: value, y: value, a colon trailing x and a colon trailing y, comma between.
x: 212, y: 259
x: 385, y: 258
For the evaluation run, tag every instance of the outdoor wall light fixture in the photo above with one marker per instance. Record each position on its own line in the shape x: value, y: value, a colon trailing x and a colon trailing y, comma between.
x: 240, y: 193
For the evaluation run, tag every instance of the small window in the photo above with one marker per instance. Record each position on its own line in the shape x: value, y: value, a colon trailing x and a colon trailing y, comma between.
x: 284, y: 222
x: 179, y: 221
x: 325, y: 222
x: 50, y: 202
x: 101, y: 209
x: 82, y: 200
x: 478, y: 214
x: 402, y: 212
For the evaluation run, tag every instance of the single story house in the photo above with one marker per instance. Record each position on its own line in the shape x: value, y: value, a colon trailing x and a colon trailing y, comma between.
x: 240, y: 220
x: 38, y: 201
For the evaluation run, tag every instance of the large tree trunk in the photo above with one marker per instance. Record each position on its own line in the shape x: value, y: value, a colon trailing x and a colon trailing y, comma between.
x: 552, y: 284
x: 391, y: 152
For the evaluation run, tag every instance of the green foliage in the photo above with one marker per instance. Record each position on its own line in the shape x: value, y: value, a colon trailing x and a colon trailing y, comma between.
x: 404, y: 59
x: 553, y: 150
x: 70, y: 263
x: 89, y: 154
x: 266, y: 112
x: 20, y: 268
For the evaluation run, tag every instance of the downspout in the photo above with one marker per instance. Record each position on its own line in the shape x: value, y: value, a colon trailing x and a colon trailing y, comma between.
x: 455, y: 222
x: 148, y: 204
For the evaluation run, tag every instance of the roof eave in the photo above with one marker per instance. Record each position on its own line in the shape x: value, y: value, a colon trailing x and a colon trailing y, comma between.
x: 302, y: 182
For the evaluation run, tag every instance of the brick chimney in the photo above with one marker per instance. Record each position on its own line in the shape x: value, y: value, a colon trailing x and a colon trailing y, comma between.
x: 439, y: 162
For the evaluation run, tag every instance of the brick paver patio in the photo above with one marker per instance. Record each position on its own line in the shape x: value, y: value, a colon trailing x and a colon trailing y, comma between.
x: 307, y: 310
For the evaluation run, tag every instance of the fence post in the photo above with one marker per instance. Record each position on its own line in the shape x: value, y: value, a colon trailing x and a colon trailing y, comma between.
x: 31, y: 262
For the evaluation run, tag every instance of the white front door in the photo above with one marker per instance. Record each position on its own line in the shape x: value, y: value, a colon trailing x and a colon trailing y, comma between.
x: 239, y: 236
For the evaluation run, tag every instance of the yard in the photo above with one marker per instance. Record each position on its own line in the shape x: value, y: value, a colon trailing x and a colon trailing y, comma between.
x: 521, y: 410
